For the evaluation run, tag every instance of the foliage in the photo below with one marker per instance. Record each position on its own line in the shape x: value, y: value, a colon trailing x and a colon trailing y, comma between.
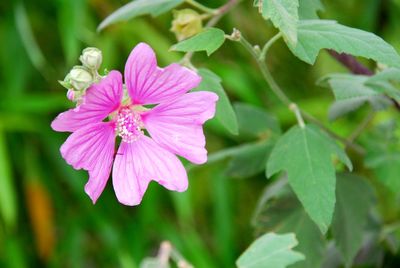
x: 334, y: 199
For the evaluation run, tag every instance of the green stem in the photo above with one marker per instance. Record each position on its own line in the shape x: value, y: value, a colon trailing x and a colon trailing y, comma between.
x: 268, y: 45
x: 201, y: 7
x: 236, y: 36
x: 360, y: 128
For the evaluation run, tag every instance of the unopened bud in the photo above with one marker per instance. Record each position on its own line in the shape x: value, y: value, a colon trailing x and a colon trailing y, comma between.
x: 71, y: 95
x: 80, y: 78
x: 91, y: 58
x: 186, y: 23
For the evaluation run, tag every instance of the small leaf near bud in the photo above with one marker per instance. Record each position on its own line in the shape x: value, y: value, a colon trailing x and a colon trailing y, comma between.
x: 80, y: 78
x: 91, y: 58
x: 186, y: 23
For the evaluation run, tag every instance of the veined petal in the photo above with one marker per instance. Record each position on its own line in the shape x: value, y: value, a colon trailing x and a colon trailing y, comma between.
x: 178, y: 125
x: 139, y: 162
x: 149, y: 84
x: 100, y: 100
x: 92, y: 148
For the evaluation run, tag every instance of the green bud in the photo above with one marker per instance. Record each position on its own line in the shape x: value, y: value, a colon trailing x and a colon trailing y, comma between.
x: 91, y: 58
x: 186, y: 23
x: 80, y: 78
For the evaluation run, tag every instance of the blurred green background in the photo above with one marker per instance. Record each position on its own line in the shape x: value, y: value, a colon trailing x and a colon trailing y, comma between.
x: 46, y: 218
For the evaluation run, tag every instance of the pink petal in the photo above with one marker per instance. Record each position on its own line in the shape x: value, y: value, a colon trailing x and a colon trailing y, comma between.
x: 92, y: 148
x: 149, y: 84
x: 100, y: 100
x: 137, y: 163
x: 177, y: 125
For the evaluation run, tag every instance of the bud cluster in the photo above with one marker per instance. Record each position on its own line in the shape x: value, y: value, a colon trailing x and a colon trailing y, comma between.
x: 81, y: 77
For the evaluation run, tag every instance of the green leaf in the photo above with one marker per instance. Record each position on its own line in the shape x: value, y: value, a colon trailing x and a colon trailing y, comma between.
x: 225, y: 113
x: 256, y: 123
x: 354, y: 198
x: 8, y: 206
x: 308, y: 9
x: 270, y: 251
x: 138, y: 8
x: 383, y: 82
x: 306, y: 155
x: 250, y: 161
x: 284, y: 16
x: 314, y: 35
x: 382, y: 144
x: 280, y: 211
x: 208, y: 40
x: 351, y: 92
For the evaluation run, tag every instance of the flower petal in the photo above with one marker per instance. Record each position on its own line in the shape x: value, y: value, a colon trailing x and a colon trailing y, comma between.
x: 100, y: 100
x: 139, y: 162
x: 92, y: 148
x: 149, y: 84
x: 177, y: 125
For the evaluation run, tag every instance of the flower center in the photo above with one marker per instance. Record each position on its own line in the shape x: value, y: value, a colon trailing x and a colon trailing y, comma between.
x: 128, y: 125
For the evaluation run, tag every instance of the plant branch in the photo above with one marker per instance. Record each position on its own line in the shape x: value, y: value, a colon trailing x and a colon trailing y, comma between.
x: 360, y: 128
x: 236, y: 36
x: 201, y: 7
x: 268, y: 45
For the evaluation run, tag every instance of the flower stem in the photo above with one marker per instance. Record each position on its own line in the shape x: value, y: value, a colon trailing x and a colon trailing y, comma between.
x: 201, y: 7
x: 268, y: 45
x: 300, y: 114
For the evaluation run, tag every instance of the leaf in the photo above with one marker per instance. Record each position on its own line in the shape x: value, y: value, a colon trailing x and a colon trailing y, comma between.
x: 351, y: 214
x: 314, y: 35
x: 284, y: 16
x: 153, y: 263
x: 251, y: 160
x: 8, y: 205
x: 255, y: 122
x: 308, y: 9
x: 270, y: 251
x: 383, y: 154
x: 225, y: 113
x: 306, y: 155
x: 383, y: 82
x: 280, y: 211
x: 138, y: 8
x: 351, y: 92
x: 208, y: 40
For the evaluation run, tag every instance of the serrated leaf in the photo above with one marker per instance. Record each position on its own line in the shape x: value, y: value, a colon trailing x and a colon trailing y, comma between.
x: 250, y: 161
x: 270, y: 251
x: 383, y: 82
x: 308, y: 9
x: 314, y: 35
x: 208, y: 40
x: 306, y: 155
x: 137, y: 8
x: 351, y: 214
x: 256, y: 123
x: 284, y: 16
x: 225, y: 113
x: 280, y: 211
x: 351, y: 92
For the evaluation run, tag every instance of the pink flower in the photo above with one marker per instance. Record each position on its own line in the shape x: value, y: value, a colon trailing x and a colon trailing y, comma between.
x: 174, y: 126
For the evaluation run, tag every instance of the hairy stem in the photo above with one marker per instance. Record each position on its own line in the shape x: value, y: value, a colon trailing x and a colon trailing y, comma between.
x: 201, y: 7
x: 236, y: 36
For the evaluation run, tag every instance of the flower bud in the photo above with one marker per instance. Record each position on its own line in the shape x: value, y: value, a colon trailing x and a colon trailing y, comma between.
x: 91, y: 58
x: 186, y: 23
x: 80, y: 78
x: 71, y: 95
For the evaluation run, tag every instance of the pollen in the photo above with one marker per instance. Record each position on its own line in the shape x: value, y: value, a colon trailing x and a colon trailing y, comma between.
x: 129, y: 125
